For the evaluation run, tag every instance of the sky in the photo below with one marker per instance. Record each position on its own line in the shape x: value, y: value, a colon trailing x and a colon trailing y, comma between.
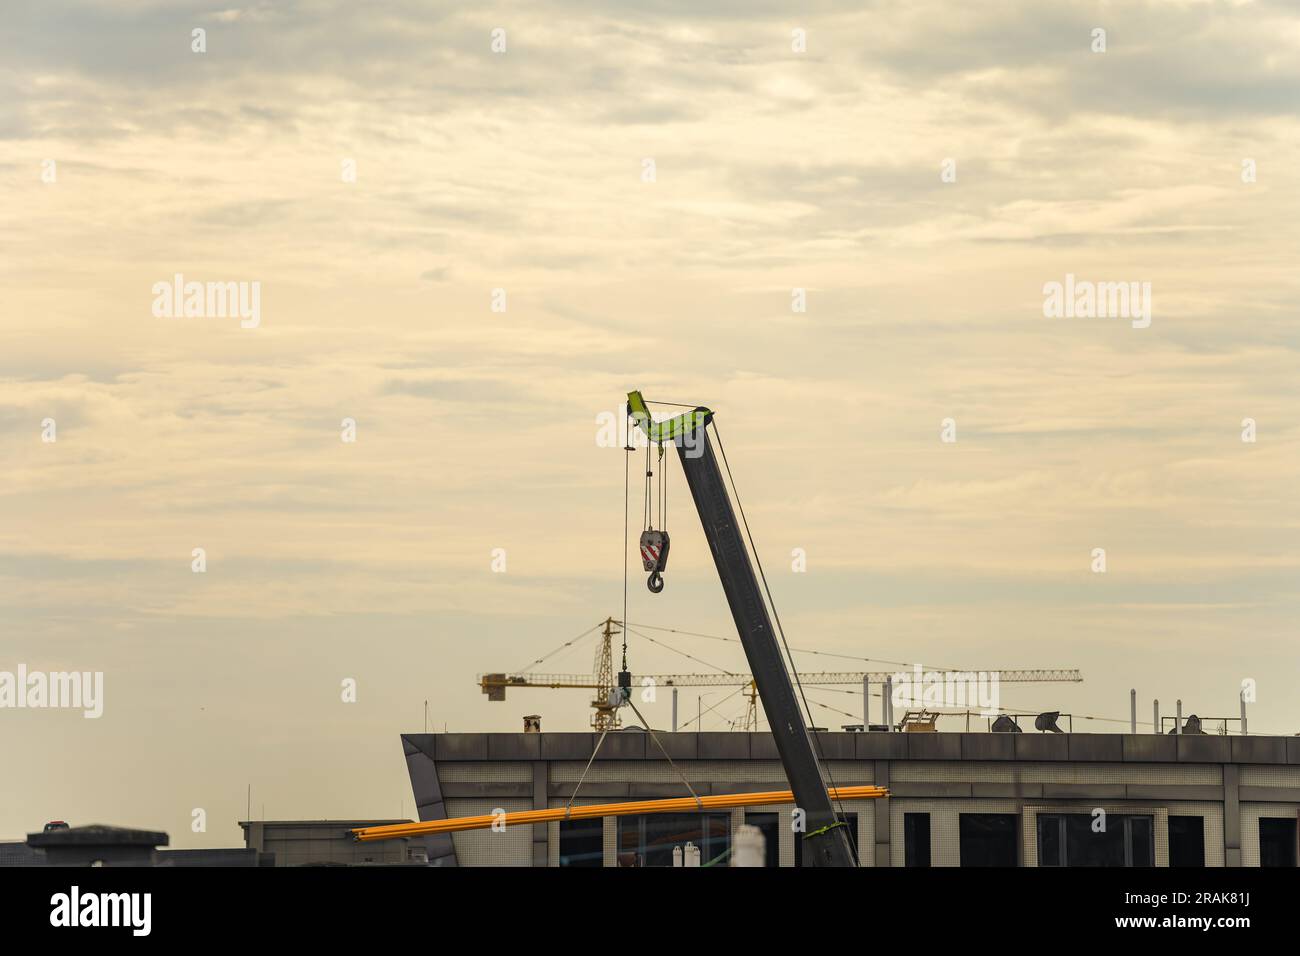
x: 650, y: 190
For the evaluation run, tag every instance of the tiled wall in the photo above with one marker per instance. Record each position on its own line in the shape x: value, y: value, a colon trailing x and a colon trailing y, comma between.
x: 485, y: 771
x: 919, y: 771
x: 512, y: 846
x: 846, y: 773
x: 1264, y: 775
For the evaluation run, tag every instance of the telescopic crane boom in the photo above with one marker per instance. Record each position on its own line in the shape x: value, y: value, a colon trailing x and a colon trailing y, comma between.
x: 825, y: 840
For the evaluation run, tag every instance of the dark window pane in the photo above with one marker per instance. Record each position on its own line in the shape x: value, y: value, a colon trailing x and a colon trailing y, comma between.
x: 1187, y: 841
x: 1084, y: 847
x: 1141, y: 842
x: 649, y: 840
x: 1069, y: 839
x: 582, y: 842
x: 770, y: 825
x: 629, y: 839
x: 1276, y: 841
x: 988, y: 839
x: 663, y: 831
x: 1049, y: 840
x: 916, y: 839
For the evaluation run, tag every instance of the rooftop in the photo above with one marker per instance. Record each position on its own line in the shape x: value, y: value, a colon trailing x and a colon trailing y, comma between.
x: 730, y: 745
x: 97, y: 834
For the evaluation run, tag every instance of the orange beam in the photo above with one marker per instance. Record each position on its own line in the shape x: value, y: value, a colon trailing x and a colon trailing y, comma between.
x: 631, y: 808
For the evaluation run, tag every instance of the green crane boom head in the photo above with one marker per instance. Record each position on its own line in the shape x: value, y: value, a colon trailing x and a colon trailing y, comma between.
x: 670, y: 428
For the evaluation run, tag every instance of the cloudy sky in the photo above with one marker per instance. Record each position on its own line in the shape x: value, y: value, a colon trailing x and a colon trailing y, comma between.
x: 126, y: 158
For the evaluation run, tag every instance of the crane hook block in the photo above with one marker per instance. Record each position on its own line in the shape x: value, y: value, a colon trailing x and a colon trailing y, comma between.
x: 654, y: 558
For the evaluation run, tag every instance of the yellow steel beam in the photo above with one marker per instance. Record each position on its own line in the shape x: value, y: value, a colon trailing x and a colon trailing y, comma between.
x: 632, y: 808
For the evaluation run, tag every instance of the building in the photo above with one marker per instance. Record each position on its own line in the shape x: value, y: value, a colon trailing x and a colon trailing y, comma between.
x: 267, y: 843
x: 18, y: 853
x: 97, y: 845
x: 955, y: 798
x: 218, y: 857
x: 329, y: 843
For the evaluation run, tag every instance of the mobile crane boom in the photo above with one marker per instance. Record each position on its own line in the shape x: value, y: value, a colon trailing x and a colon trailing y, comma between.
x: 825, y: 840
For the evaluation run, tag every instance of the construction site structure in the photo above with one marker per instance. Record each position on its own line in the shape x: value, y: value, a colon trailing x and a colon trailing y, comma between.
x: 604, y: 703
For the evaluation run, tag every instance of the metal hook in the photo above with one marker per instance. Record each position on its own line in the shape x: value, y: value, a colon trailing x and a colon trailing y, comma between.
x: 655, y: 582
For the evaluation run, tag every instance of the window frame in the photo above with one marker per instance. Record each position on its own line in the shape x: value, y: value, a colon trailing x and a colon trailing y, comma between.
x: 1060, y: 817
x: 1199, y: 828
x: 1292, y: 850
x: 594, y: 824
x: 702, y: 819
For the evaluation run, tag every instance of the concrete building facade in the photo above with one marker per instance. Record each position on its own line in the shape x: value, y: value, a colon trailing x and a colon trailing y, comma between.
x: 327, y: 843
x: 955, y: 799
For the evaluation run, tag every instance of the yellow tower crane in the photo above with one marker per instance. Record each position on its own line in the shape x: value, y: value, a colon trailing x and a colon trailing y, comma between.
x: 604, y: 704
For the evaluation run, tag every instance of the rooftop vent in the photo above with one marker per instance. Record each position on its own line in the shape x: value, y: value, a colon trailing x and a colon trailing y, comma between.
x: 1046, y: 722
x: 1005, y: 725
x: 1190, y: 726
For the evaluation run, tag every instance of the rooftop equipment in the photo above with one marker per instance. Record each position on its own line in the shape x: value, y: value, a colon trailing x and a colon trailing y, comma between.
x: 1046, y: 722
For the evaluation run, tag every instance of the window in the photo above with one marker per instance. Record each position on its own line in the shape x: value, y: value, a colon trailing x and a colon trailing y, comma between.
x: 1276, y: 841
x: 1068, y: 839
x: 988, y: 839
x: 850, y: 821
x: 1186, y: 841
x: 582, y: 842
x: 649, y: 840
x: 770, y: 825
x: 916, y: 839
x: 1141, y: 838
